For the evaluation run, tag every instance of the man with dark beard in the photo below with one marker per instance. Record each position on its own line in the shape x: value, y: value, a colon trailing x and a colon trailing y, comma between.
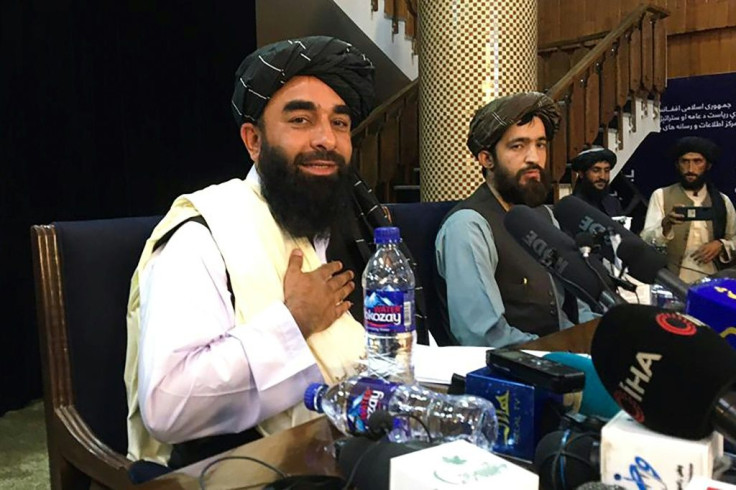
x: 494, y: 294
x: 698, y: 248
x: 594, y: 173
x: 245, y: 292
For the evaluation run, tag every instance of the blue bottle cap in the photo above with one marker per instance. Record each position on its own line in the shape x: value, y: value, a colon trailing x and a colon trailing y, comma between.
x: 313, y: 396
x: 386, y: 234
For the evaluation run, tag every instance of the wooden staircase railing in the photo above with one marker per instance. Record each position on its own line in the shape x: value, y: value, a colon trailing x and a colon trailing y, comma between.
x: 594, y: 78
x: 630, y: 61
x: 401, y: 10
x: 386, y: 143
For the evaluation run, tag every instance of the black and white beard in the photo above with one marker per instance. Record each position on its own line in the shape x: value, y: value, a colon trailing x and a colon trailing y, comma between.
x: 696, y: 184
x: 534, y: 193
x: 303, y: 205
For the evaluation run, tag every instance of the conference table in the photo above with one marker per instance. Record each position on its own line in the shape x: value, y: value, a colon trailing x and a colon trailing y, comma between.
x: 308, y: 448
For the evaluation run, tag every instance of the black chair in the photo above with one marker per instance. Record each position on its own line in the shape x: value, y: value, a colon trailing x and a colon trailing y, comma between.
x: 419, y: 223
x: 82, y: 273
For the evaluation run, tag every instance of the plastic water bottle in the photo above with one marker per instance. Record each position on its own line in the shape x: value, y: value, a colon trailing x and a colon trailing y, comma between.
x: 419, y: 414
x: 662, y: 297
x: 388, y: 308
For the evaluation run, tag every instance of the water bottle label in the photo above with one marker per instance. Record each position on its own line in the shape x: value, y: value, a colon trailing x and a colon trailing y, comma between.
x: 367, y: 396
x: 389, y: 311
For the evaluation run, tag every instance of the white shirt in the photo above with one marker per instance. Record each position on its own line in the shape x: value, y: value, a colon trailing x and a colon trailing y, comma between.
x: 200, y: 374
x: 690, y: 271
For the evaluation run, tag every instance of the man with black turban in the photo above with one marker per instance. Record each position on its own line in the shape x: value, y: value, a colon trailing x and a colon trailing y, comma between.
x: 245, y: 292
x: 696, y: 248
x: 594, y: 173
x: 494, y: 294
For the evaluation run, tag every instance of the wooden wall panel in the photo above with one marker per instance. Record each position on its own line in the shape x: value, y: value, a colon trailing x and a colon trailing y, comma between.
x: 571, y: 9
x: 561, y: 20
x: 676, y: 20
x: 701, y: 35
x: 702, y: 53
x: 548, y: 25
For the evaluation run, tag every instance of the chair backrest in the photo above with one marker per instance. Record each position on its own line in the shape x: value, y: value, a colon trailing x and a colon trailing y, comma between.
x: 82, y: 273
x: 419, y: 223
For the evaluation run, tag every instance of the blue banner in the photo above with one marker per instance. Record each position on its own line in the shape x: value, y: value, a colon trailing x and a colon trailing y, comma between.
x: 699, y: 106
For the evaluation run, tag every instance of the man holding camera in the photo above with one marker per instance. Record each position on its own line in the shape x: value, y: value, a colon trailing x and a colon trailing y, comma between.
x: 692, y: 219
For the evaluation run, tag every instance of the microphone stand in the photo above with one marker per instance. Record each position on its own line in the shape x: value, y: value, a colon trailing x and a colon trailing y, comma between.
x: 608, y: 298
x: 724, y: 415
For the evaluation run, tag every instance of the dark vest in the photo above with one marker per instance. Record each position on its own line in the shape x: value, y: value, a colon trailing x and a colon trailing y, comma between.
x: 674, y: 195
x: 608, y: 204
x: 526, y: 287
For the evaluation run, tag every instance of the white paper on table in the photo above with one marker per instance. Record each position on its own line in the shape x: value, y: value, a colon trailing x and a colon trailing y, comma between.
x: 438, y: 364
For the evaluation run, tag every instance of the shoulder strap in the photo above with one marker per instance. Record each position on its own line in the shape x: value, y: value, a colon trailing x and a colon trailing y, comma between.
x: 196, y: 219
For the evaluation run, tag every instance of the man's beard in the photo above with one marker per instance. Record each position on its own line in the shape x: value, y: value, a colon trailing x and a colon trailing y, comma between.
x: 533, y: 193
x: 591, y: 191
x: 303, y: 205
x: 696, y: 184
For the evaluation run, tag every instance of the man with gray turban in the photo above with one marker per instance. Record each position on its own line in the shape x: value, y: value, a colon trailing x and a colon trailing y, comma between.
x: 593, y: 166
x: 494, y: 293
x: 697, y: 246
x: 245, y: 292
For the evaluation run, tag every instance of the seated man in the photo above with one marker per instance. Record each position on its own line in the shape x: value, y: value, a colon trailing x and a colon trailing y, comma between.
x: 495, y: 293
x: 245, y: 292
x: 594, y: 173
x: 695, y: 248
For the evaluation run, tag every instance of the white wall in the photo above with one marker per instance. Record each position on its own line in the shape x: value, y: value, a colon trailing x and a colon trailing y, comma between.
x: 377, y: 26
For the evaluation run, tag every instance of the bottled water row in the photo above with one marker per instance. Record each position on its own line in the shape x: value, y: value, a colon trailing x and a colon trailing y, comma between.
x: 387, y: 384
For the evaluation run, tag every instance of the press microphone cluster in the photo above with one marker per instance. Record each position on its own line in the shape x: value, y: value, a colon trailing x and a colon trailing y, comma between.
x: 644, y: 263
x: 713, y: 301
x: 558, y: 253
x: 669, y: 371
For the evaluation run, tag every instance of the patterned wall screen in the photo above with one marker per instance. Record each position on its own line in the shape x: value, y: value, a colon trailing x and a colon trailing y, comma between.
x: 471, y: 51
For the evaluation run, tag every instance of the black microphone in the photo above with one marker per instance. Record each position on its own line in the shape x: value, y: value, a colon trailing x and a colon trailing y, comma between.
x: 649, y: 266
x: 365, y: 463
x: 557, y: 253
x: 575, y: 216
x: 566, y: 459
x: 668, y: 370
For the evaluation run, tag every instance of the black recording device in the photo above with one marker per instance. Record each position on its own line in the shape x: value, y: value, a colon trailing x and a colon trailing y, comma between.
x: 695, y: 213
x: 538, y: 371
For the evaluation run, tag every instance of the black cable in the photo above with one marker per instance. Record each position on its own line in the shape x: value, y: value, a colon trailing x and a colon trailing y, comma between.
x: 672, y: 262
x: 430, y: 439
x: 246, y: 458
x: 577, y: 290
x: 599, y: 276
x: 563, y: 453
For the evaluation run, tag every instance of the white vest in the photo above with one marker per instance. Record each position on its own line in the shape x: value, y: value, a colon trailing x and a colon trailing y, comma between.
x: 256, y: 254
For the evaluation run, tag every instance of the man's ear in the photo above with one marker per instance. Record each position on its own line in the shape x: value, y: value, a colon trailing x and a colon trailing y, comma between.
x: 252, y: 139
x: 486, y: 160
